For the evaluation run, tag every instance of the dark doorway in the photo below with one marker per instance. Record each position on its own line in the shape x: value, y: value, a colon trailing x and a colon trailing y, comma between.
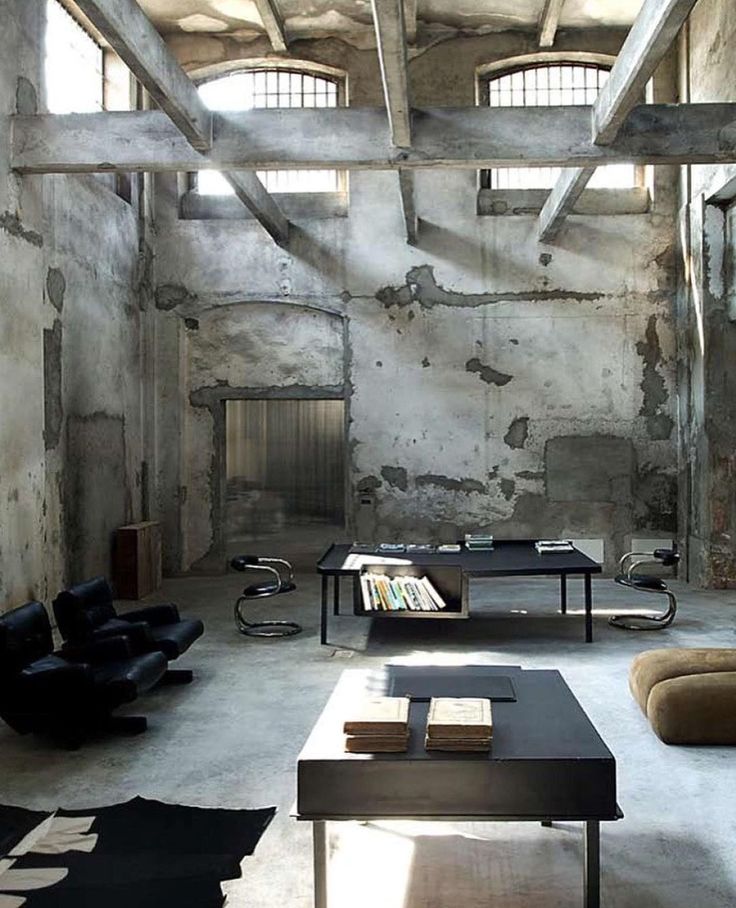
x: 285, y: 473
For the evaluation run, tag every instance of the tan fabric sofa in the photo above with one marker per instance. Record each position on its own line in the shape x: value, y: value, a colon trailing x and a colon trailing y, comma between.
x: 688, y: 695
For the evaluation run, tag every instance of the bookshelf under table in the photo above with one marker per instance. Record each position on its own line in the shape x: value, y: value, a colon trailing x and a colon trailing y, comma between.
x: 451, y: 571
x: 547, y: 763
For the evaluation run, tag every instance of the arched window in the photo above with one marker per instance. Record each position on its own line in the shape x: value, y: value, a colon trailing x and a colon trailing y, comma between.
x: 548, y: 85
x: 256, y: 88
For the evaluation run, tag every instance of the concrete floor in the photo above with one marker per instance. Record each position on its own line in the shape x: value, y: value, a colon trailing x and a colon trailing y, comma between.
x: 232, y: 738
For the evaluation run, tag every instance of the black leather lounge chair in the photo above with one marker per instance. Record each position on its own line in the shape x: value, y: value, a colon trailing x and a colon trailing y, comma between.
x: 86, y: 612
x: 280, y: 579
x: 646, y: 583
x: 43, y: 691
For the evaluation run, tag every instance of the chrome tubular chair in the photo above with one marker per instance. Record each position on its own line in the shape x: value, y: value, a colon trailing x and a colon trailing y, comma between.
x: 646, y: 583
x: 280, y: 580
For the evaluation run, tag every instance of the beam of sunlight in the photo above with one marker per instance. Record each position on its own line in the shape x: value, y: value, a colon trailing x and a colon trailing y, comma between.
x: 369, y: 866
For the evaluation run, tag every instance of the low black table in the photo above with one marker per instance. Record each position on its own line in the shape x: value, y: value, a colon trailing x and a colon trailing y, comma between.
x: 509, y: 558
x: 547, y: 762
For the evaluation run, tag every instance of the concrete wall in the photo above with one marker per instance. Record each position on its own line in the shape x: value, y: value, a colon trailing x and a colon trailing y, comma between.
x: 490, y: 381
x: 706, y: 328
x: 71, y: 431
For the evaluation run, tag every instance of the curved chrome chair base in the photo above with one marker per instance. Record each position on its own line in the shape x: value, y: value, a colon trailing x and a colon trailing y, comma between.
x: 646, y: 584
x: 278, y: 585
x: 649, y: 622
x: 263, y: 628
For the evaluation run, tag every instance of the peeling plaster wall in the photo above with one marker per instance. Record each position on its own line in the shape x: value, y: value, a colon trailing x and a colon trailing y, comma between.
x: 70, y: 391
x: 706, y: 330
x: 94, y: 469
x: 22, y: 479
x: 492, y: 381
x: 273, y: 350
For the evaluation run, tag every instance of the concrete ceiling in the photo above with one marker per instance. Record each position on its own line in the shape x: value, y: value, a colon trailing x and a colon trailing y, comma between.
x: 344, y: 18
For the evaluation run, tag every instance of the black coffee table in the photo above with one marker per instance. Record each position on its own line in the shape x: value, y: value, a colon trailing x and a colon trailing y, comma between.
x: 509, y: 558
x: 547, y: 763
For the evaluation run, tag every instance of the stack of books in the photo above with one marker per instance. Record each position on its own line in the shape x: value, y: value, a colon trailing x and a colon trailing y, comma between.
x: 380, y: 725
x: 553, y: 546
x: 459, y: 724
x: 399, y: 594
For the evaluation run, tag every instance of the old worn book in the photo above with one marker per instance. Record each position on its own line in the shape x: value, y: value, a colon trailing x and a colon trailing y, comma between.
x: 470, y: 745
x: 459, y: 718
x: 370, y: 744
x: 379, y: 716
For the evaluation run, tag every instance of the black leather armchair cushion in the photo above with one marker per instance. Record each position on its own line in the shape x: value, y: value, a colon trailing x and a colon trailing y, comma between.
x: 86, y: 612
x: 41, y: 690
x: 83, y: 609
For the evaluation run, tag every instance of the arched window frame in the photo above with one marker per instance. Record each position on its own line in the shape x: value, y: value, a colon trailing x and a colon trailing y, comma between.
x: 268, y: 64
x: 487, y: 73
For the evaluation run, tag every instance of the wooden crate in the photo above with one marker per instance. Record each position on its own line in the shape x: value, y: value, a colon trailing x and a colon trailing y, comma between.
x: 137, y: 560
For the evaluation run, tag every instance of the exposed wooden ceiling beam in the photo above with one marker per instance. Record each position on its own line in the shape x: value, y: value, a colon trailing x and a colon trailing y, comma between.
x: 390, y: 25
x: 465, y: 138
x: 273, y: 23
x: 549, y: 21
x: 650, y: 37
x: 410, y: 20
x: 253, y: 194
x: 388, y: 19
x: 561, y: 200
x: 131, y: 34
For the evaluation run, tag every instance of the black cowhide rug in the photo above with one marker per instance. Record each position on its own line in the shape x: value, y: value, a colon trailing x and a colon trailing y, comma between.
x: 139, y: 854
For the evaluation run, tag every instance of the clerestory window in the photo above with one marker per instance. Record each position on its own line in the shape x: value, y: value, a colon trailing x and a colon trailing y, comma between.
x: 73, y: 64
x: 258, y: 88
x: 549, y: 85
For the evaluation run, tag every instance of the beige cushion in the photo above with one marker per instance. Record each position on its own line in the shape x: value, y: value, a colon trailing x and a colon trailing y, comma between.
x: 695, y: 709
x: 651, y: 668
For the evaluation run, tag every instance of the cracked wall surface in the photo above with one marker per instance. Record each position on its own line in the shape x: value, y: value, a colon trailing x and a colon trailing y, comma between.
x: 705, y: 318
x: 70, y: 351
x: 470, y: 361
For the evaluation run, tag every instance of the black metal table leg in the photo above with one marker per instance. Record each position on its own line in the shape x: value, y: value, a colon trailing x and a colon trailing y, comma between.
x: 336, y: 595
x: 588, y: 610
x: 563, y: 594
x: 592, y: 871
x: 323, y: 614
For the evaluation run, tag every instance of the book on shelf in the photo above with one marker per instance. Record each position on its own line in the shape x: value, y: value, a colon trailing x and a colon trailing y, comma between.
x: 381, y: 593
x: 553, y: 546
x: 455, y: 719
x: 479, y: 542
x: 378, y: 716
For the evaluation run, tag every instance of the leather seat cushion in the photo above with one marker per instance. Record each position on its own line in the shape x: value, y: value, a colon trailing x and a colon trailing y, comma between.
x: 641, y: 581
x: 695, y: 709
x: 122, y: 681
x: 175, y: 639
x: 654, y: 666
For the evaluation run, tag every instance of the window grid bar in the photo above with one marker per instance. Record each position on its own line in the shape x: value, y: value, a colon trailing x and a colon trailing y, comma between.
x: 546, y: 86
x: 276, y: 88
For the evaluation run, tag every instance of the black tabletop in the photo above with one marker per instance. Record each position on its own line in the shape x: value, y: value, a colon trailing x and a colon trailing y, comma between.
x: 508, y: 557
x: 546, y: 757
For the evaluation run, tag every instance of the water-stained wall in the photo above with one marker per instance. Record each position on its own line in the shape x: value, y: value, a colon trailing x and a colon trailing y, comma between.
x: 491, y: 381
x: 71, y: 290
x: 706, y: 315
